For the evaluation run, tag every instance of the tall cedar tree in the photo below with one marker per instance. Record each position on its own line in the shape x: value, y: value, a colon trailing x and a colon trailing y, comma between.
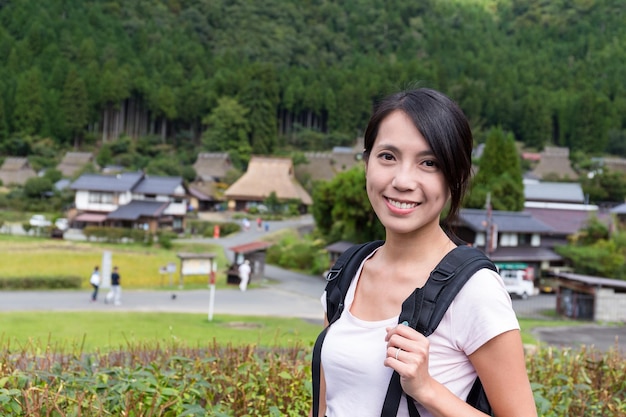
x: 499, y: 173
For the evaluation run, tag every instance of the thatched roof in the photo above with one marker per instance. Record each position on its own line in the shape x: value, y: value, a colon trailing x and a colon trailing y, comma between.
x: 264, y: 176
x: 16, y: 171
x: 212, y: 165
x: 556, y: 161
x: 615, y: 164
x: 325, y: 165
x: 73, y: 162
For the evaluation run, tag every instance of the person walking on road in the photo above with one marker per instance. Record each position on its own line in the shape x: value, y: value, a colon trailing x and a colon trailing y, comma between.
x: 244, y: 274
x: 115, y: 295
x: 94, y: 280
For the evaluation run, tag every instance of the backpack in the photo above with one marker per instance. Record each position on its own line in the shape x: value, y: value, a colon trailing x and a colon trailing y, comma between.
x: 423, y: 310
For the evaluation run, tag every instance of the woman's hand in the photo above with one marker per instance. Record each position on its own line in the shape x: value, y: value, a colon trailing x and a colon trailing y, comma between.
x: 407, y: 354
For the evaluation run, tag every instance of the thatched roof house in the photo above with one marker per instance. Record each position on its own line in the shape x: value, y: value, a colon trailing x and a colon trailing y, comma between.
x: 264, y: 176
x: 73, y: 162
x: 212, y: 166
x: 555, y: 161
x: 16, y: 171
x: 325, y: 165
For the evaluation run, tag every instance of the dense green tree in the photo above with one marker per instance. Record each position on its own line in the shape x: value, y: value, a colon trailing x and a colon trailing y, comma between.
x: 228, y: 129
x: 74, y: 105
x: 342, y: 210
x: 499, y: 175
x: 28, y: 115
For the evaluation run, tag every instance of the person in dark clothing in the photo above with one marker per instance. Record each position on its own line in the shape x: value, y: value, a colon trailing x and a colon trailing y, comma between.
x: 115, y: 295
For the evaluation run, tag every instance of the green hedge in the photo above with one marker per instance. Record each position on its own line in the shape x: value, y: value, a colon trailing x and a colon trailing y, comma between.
x: 219, y: 380
x: 205, y: 228
x: 40, y: 283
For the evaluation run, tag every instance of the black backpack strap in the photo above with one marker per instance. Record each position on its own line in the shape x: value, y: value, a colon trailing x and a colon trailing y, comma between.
x: 426, y: 306
x: 338, y: 281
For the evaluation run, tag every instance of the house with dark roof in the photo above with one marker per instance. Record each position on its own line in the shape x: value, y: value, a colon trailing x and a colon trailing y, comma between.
x: 264, y: 176
x: 130, y: 199
x: 560, y: 205
x: 16, y: 171
x: 73, y: 162
x: 508, y: 238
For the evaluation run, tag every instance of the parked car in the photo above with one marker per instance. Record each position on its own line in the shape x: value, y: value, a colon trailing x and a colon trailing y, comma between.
x: 516, y: 283
x: 39, y: 220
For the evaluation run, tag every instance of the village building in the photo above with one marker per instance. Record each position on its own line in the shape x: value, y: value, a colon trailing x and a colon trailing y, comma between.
x: 324, y: 166
x: 560, y: 205
x: 554, y: 163
x: 510, y: 239
x: 16, y: 171
x: 73, y: 162
x: 264, y: 176
x: 131, y: 200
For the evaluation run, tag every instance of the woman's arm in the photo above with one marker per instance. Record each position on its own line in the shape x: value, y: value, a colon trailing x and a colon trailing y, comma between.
x: 501, y: 367
x: 499, y: 363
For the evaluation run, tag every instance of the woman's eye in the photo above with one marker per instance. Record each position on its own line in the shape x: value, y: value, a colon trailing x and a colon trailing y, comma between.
x: 430, y: 163
x: 386, y: 156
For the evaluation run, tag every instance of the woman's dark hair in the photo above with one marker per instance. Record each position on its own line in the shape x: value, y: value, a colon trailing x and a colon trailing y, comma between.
x: 444, y: 127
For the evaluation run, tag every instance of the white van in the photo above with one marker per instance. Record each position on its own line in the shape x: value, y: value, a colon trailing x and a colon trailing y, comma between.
x: 516, y: 283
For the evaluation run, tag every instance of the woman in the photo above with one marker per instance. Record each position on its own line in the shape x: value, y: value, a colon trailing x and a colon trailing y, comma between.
x: 417, y: 162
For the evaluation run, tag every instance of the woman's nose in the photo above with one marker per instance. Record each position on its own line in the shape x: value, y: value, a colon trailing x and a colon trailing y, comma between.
x: 405, y: 179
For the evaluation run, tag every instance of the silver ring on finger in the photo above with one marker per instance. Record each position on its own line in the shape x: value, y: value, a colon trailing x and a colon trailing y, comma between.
x: 398, y: 352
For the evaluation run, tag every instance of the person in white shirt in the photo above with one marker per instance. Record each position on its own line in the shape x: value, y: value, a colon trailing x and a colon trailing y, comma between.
x: 244, y: 274
x: 94, y: 280
x: 417, y: 156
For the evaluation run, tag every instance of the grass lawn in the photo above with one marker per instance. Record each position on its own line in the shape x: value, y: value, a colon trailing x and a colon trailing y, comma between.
x: 139, y: 265
x: 111, y: 330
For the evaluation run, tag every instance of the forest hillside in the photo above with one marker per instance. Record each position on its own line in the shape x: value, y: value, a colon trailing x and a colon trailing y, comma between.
x: 268, y: 77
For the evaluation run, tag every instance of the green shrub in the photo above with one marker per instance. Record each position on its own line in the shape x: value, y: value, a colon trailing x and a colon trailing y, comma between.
x: 298, y: 253
x: 222, y: 380
x: 152, y: 381
x: 40, y: 283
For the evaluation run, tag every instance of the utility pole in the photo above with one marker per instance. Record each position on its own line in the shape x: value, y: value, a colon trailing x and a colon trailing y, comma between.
x: 488, y: 226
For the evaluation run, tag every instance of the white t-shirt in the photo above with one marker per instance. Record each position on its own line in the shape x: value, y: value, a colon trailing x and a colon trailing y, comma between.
x: 354, y: 350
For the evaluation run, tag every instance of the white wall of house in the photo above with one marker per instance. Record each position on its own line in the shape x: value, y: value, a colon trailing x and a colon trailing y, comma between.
x: 100, y: 201
x: 177, y: 208
x: 508, y: 239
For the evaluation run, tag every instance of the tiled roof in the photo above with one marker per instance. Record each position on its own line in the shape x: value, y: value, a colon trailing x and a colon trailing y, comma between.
x: 507, y: 221
x: 565, y: 222
x: 159, y: 185
x: 562, y: 192
x: 621, y: 209
x: 138, y: 208
x: 111, y: 183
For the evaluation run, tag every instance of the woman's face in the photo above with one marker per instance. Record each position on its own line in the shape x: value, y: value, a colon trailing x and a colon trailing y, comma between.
x: 404, y: 183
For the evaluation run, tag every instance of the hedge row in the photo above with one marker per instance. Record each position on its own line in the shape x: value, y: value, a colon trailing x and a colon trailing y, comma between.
x: 206, y: 228
x: 250, y: 381
x: 40, y: 283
